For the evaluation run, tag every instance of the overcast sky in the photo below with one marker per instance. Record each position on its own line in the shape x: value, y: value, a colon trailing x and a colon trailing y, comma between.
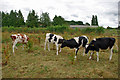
x: 78, y: 10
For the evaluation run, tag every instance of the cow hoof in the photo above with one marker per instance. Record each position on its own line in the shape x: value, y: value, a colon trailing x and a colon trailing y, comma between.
x: 75, y: 57
x: 89, y: 58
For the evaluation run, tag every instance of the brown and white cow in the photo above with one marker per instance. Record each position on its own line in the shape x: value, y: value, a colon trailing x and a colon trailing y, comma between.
x: 19, y: 38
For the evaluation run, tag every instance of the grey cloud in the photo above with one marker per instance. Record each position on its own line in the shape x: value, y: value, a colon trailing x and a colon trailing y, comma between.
x: 69, y: 6
x: 51, y: 8
x: 74, y: 15
x: 5, y: 6
x: 66, y: 17
x: 115, y: 13
x: 27, y: 9
x: 114, y: 20
x: 88, y: 16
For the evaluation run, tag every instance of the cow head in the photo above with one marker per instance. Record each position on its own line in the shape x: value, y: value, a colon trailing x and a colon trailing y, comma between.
x: 13, y: 37
x: 61, y: 41
x: 90, y: 46
x: 26, y: 39
x: 85, y: 41
x: 64, y: 44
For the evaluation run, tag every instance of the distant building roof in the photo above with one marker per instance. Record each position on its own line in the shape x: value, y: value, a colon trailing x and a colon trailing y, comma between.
x: 81, y: 26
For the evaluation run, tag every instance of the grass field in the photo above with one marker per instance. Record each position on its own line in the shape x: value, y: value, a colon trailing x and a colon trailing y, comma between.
x: 38, y: 63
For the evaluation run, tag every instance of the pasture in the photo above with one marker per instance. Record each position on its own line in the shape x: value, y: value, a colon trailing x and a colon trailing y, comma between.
x: 34, y: 62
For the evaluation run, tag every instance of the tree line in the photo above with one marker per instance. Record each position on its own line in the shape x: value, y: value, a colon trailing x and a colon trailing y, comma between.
x: 16, y: 19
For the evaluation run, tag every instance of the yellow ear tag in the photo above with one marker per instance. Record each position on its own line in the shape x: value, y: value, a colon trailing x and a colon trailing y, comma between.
x: 93, y: 45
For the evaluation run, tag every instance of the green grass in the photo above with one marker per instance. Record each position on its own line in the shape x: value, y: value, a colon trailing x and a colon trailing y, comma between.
x: 45, y: 64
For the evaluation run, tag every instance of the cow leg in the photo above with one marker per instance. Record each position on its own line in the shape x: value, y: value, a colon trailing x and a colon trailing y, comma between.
x: 83, y: 51
x: 14, y: 45
x: 97, y: 56
x: 60, y: 49
x: 48, y: 46
x: 45, y: 45
x: 116, y: 46
x: 76, y: 53
x: 23, y: 46
x: 90, y: 55
x: 87, y: 54
x: 111, y: 53
x: 57, y: 47
x: 13, y: 48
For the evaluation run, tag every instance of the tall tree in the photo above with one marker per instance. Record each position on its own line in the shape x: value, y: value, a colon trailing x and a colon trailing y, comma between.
x: 119, y: 23
x: 93, y: 20
x: 32, y: 19
x: 79, y: 23
x: 0, y: 19
x: 45, y: 19
x: 13, y: 18
x: 72, y: 22
x: 58, y: 20
x: 96, y: 20
x: 5, y: 19
x: 87, y: 24
x: 20, y: 19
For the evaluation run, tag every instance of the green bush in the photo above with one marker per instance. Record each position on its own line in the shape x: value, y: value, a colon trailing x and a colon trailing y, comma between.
x: 97, y: 30
x: 76, y: 29
x: 4, y: 29
x: 100, y: 30
x: 58, y: 28
x: 115, y: 51
x: 23, y: 29
x: 30, y: 46
x: 88, y: 30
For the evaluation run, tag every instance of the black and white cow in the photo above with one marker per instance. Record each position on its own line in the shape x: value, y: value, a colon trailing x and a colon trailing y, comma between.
x: 75, y: 43
x: 55, y: 39
x: 100, y: 43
